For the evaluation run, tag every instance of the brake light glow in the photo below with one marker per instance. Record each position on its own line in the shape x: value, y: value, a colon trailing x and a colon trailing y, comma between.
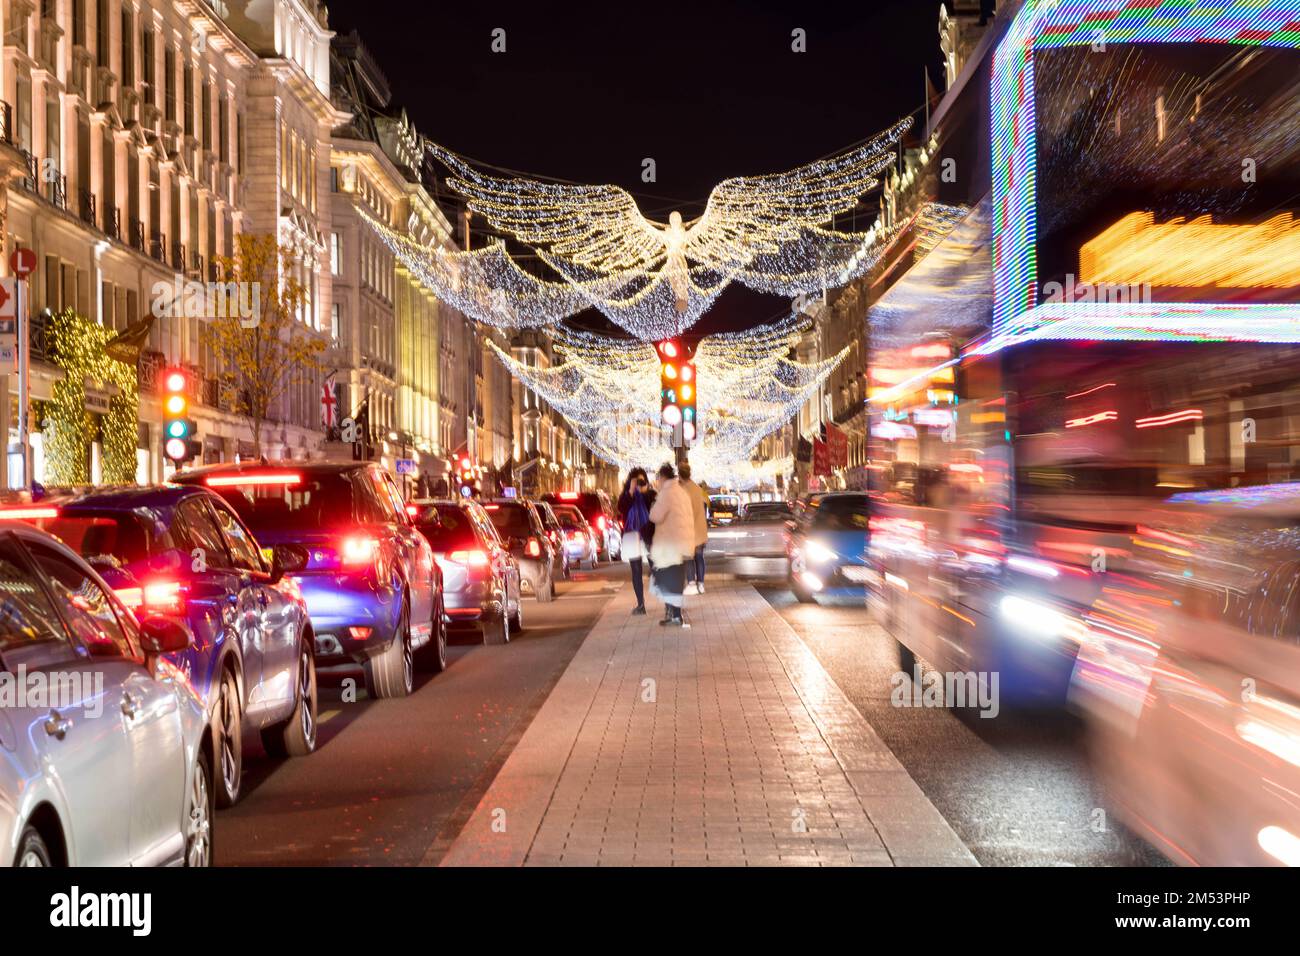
x: 491, y: 507
x: 471, y: 559
x: 358, y: 550
x: 568, y: 496
x: 601, y: 523
x: 264, y: 478
x: 412, y: 510
x: 533, y: 549
x: 29, y: 513
x: 164, y: 597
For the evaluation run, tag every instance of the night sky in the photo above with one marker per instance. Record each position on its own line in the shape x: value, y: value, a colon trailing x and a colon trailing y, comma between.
x: 708, y: 90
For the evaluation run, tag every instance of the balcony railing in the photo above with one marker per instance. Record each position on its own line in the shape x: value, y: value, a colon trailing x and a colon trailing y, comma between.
x: 113, y: 222
x: 57, y: 191
x: 88, y: 208
x: 6, y: 123
x: 158, y: 247
x: 178, y: 256
x: 136, y: 238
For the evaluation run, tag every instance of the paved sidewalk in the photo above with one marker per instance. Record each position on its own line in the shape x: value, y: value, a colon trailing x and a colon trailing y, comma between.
x: 725, y: 744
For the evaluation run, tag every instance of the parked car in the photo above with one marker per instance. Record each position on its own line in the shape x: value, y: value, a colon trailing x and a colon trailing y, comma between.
x: 600, y: 514
x: 555, y: 532
x: 579, y: 538
x: 108, y: 762
x: 371, y: 585
x: 519, y: 525
x: 180, y: 551
x: 827, y: 547
x: 480, y: 578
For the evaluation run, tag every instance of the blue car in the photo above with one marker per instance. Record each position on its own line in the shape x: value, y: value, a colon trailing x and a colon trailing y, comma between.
x: 370, y: 583
x: 181, y: 552
x: 827, y: 548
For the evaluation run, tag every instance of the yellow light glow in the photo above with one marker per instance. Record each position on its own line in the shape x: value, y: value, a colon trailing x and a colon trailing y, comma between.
x: 176, y: 404
x: 1195, y: 254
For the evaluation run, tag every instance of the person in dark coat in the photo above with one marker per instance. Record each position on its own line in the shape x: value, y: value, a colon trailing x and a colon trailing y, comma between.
x: 634, y: 506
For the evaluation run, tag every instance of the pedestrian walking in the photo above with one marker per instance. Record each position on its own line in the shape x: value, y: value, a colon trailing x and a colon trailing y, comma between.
x: 634, y: 512
x: 695, y: 570
x: 673, y: 544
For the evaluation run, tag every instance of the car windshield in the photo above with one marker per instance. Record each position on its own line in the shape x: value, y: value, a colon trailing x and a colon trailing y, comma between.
x: 723, y: 503
x: 842, y: 513
x: 120, y: 535
x: 448, y: 528
x: 314, y: 501
x: 510, y: 520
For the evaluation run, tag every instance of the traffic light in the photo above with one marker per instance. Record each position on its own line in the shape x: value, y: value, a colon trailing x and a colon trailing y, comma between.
x: 677, y: 386
x: 465, y: 470
x: 179, y: 430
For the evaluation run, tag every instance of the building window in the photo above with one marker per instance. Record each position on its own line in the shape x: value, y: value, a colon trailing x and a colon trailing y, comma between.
x: 336, y: 254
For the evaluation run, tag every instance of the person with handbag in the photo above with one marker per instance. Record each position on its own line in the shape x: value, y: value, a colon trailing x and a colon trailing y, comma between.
x: 673, y: 544
x: 634, y: 512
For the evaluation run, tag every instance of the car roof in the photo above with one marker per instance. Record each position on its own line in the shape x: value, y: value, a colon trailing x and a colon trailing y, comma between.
x: 126, y: 497
x: 236, y: 468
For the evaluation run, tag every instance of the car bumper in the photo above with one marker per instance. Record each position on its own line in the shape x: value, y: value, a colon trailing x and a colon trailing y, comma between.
x: 479, y: 601
x: 352, y: 618
x: 531, y: 574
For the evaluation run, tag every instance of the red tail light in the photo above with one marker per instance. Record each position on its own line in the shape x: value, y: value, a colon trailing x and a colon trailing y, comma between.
x: 601, y: 523
x: 533, y: 549
x: 28, y: 513
x: 358, y: 550
x: 471, y: 559
x: 161, y: 597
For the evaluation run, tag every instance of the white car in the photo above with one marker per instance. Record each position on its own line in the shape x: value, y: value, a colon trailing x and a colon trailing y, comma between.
x: 105, y: 751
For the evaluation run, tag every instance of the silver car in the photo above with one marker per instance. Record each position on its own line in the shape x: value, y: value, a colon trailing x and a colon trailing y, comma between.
x: 759, y: 532
x: 105, y: 751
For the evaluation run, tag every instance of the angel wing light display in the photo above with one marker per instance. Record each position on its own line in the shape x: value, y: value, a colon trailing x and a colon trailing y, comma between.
x: 772, y: 233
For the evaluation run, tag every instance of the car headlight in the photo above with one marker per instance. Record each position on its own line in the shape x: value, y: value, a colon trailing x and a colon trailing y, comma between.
x: 818, y: 552
x: 1036, y: 620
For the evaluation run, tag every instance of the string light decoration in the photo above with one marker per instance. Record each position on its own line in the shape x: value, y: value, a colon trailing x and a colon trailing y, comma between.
x: 77, y: 347
x: 773, y: 233
x: 608, y: 390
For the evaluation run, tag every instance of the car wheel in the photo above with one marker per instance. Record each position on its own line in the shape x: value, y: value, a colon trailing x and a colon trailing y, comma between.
x: 591, y: 564
x: 227, y: 731
x: 296, y: 737
x: 198, y: 815
x: 391, y: 672
x: 801, y: 593
x: 433, y: 656
x: 32, y: 850
x: 497, y: 630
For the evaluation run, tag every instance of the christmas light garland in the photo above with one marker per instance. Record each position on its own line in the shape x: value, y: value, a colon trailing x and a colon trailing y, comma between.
x: 608, y: 390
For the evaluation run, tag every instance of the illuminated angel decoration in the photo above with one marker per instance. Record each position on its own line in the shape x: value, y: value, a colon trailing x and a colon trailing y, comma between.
x: 772, y: 233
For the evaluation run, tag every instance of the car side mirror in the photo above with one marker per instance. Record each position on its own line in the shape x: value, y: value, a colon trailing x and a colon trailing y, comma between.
x: 287, y: 559
x: 163, y: 635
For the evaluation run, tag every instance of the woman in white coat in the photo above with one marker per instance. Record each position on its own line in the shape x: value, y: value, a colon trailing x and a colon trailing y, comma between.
x: 673, y: 544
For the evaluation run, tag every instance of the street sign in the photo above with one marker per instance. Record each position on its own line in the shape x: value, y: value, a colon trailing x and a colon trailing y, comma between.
x: 23, y: 262
x: 406, y: 466
x: 8, y: 318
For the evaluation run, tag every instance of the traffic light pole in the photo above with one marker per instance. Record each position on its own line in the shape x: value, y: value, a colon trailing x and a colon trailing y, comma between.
x: 24, y: 382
